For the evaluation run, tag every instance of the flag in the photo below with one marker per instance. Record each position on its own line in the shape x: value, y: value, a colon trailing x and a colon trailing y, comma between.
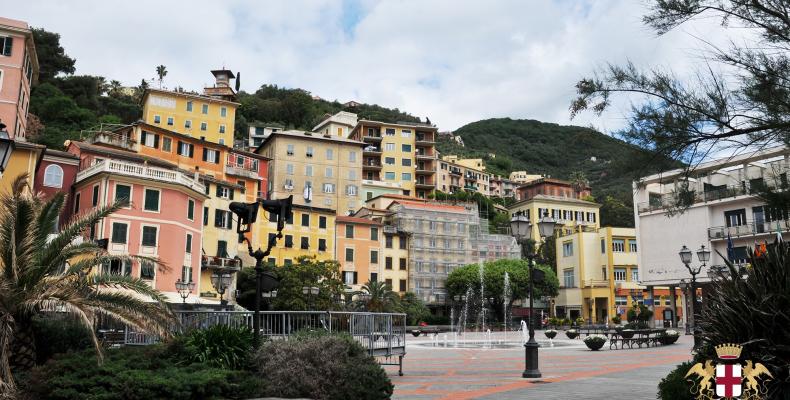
x: 730, y: 249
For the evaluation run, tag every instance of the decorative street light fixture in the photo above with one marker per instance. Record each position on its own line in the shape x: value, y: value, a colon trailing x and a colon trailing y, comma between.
x: 247, y: 213
x: 221, y: 280
x: 310, y: 292
x: 184, y: 289
x: 269, y: 296
x: 685, y: 257
x: 6, y: 147
x: 520, y: 227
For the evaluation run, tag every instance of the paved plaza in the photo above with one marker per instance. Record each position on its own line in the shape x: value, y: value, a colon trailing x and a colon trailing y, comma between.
x: 569, y: 372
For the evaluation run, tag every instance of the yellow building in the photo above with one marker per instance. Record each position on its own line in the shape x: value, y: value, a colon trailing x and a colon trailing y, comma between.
x: 599, y: 278
x: 523, y: 177
x: 310, y: 232
x: 318, y: 170
x: 401, y: 156
x: 394, y: 264
x: 210, y: 117
x: 24, y: 159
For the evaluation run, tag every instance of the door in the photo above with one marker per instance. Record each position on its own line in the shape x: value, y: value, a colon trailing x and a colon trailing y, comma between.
x: 759, y: 219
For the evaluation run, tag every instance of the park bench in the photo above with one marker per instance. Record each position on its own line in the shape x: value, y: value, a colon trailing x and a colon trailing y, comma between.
x: 425, y: 330
x: 637, y: 337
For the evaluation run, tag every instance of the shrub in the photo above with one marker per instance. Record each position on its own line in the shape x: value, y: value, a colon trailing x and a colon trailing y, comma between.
x: 595, y: 342
x: 579, y: 321
x: 675, y: 385
x: 617, y: 320
x: 219, y: 346
x: 135, y: 373
x: 551, y: 333
x: 555, y: 322
x: 59, y: 335
x: 321, y: 367
x: 571, y: 333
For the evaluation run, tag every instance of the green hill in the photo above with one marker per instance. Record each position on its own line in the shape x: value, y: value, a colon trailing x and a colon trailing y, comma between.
x: 609, y: 164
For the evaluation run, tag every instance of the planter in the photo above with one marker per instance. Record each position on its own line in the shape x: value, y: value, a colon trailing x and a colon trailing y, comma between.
x: 595, y: 342
x: 551, y: 334
x: 415, y: 332
x: 669, y: 337
x: 571, y: 334
x: 627, y: 334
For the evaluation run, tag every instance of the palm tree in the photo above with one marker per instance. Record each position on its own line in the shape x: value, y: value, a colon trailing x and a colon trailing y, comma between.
x: 161, y: 71
x: 42, y: 269
x: 377, y: 297
x: 115, y: 87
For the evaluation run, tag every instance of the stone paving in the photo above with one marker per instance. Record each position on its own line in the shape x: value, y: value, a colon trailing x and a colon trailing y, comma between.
x: 569, y: 372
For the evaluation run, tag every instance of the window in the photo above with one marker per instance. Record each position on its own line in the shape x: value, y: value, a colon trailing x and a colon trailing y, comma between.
x: 329, y: 188
x: 621, y: 300
x: 147, y: 270
x: 402, y: 264
x: 308, y: 170
x: 349, y: 254
x: 223, y: 112
x: 390, y: 176
x: 166, y: 144
x: 406, y: 148
x: 352, y: 156
x: 374, y: 256
x: 224, y: 192
x: 603, y: 246
x: 288, y: 262
x: 374, y: 233
x: 157, y: 119
x: 203, y: 126
x: 118, y: 267
x: 406, y: 176
x: 634, y: 275
x: 329, y: 172
x: 205, y: 108
x: 95, y: 198
x: 53, y: 176
x: 389, y: 132
x: 6, y: 43
x: 349, y: 277
x: 374, y: 277
x: 222, y: 219
x: 351, y: 190
x: 389, y: 146
x: 632, y: 246
x: 205, y: 216
x: 151, y: 200
x: 322, y: 222
x: 289, y: 241
x: 211, y: 156
x: 619, y: 274
x: 222, y: 248
x: 618, y: 245
x: 119, y: 232
x: 289, y: 149
x: 568, y: 278
x: 389, y: 160
x: 185, y: 149
x: 186, y: 274
x: 170, y: 121
x: 388, y: 262
x: 221, y: 129
x: 191, y: 209
x: 567, y: 249
x: 388, y: 242
x: 352, y: 175
x: 402, y: 243
x: 402, y: 285
x: 321, y: 244
x: 309, y: 152
x: 306, y: 220
x: 189, y: 106
x: 123, y: 193
x: 149, y: 236
x: 76, y: 203
x: 349, y: 231
x: 406, y: 162
x: 188, y: 247
x: 304, y: 243
x: 405, y: 133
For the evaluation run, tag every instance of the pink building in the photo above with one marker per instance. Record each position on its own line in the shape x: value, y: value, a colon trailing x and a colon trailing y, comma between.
x: 18, y: 71
x: 164, y: 218
x: 56, y: 173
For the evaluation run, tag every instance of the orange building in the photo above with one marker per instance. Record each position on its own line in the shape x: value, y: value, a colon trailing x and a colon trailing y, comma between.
x: 358, y: 247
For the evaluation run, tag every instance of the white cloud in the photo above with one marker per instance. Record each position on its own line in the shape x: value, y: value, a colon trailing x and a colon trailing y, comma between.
x: 455, y: 62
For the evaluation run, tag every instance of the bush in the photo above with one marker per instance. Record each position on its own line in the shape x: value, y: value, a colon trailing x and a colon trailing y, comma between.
x: 59, y: 335
x: 551, y: 333
x: 595, y: 342
x: 571, y: 333
x: 134, y: 373
x: 321, y: 367
x: 219, y: 346
x: 675, y: 385
x: 579, y: 321
x: 617, y: 320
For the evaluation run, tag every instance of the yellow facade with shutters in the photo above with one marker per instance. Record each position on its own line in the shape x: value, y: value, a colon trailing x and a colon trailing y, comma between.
x: 572, y: 214
x: 201, y: 117
x: 311, y: 232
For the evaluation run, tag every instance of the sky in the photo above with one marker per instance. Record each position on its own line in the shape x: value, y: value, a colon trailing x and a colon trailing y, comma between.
x: 455, y: 62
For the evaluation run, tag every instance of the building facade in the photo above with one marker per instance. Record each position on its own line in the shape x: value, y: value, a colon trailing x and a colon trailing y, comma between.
x: 455, y: 175
x: 359, y: 250
x: 321, y: 171
x: 56, y: 174
x: 259, y: 132
x: 310, y: 232
x: 399, y: 153
x: 522, y: 177
x: 503, y: 187
x: 338, y: 125
x: 18, y: 73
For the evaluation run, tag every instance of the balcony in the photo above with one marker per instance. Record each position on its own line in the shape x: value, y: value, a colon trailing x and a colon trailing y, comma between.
x: 424, y: 140
x: 371, y: 164
x: 372, y: 137
x: 627, y: 285
x: 212, y: 262
x: 424, y: 169
x: 241, y: 166
x: 424, y: 184
x: 470, y: 187
x: 390, y: 229
x: 424, y: 155
x: 371, y: 150
x: 667, y: 200
x: 113, y: 139
x: 455, y: 171
x: 750, y: 229
x: 141, y: 171
x: 470, y: 177
x: 596, y: 283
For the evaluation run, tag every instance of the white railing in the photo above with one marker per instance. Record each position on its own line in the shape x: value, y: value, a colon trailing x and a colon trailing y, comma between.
x: 141, y: 171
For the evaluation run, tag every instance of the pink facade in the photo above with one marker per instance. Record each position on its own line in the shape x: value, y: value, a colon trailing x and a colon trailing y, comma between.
x: 18, y: 70
x: 164, y: 218
x: 56, y: 173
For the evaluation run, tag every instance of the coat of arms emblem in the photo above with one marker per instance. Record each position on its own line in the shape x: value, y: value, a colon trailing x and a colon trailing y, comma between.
x: 729, y: 379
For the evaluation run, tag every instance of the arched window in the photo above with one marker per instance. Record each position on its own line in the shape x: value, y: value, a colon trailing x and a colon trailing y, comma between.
x: 53, y: 176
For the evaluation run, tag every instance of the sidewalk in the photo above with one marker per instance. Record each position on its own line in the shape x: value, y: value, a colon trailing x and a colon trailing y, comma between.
x: 568, y: 372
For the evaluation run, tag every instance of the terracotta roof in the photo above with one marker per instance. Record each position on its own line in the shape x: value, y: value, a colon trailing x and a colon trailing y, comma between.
x: 429, y: 206
x: 357, y: 220
x: 392, y: 196
x: 58, y: 153
x: 128, y: 155
x: 197, y: 140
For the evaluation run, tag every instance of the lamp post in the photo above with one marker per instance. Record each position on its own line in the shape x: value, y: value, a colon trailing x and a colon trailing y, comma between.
x: 521, y: 227
x: 685, y: 257
x: 310, y: 292
x: 184, y: 289
x: 221, y: 280
x: 247, y: 213
x: 6, y: 147
x: 269, y: 296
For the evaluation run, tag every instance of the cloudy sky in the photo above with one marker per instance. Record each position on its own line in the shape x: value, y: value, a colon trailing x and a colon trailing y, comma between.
x: 453, y: 61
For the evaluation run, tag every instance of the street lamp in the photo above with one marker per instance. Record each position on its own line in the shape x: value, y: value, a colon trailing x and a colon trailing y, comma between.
x: 184, y: 289
x: 685, y: 257
x: 6, y: 147
x: 310, y: 292
x: 521, y: 227
x: 221, y: 280
x: 247, y: 213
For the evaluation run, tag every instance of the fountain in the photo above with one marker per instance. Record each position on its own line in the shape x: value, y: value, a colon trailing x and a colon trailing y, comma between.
x: 524, y: 333
x: 482, y: 323
x: 506, y: 293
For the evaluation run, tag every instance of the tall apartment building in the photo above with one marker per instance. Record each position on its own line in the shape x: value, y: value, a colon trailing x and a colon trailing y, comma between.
x: 599, y: 278
x: 18, y: 73
x: 723, y: 207
x: 210, y: 116
x: 455, y: 174
x: 560, y: 200
x: 398, y: 156
x: 318, y: 170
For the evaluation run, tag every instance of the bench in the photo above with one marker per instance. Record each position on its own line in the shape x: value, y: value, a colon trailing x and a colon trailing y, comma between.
x: 637, y: 337
x: 425, y: 331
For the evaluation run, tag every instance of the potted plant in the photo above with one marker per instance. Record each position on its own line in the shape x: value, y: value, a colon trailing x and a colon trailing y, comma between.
x: 579, y: 321
x: 617, y: 320
x: 571, y: 333
x: 595, y: 342
x: 551, y: 333
x: 415, y: 332
x: 627, y: 333
x: 668, y: 337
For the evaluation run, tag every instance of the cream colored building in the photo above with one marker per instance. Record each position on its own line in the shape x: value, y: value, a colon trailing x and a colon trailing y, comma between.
x: 455, y: 174
x: 523, y: 177
x: 318, y: 170
x: 339, y: 125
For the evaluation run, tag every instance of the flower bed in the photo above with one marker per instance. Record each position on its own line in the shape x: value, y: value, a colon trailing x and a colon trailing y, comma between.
x: 551, y: 333
x: 571, y: 333
x: 595, y: 342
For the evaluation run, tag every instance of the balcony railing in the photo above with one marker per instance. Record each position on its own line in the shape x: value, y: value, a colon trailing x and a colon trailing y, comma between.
x: 668, y: 200
x: 749, y: 229
x: 242, y: 166
x: 113, y: 139
x: 141, y: 171
x: 374, y: 137
x: 372, y: 149
x: 424, y: 155
x: 596, y: 283
x: 220, y: 262
x: 455, y: 171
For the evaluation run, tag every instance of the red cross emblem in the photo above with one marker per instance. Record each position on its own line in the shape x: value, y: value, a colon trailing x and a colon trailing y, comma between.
x: 728, y: 380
